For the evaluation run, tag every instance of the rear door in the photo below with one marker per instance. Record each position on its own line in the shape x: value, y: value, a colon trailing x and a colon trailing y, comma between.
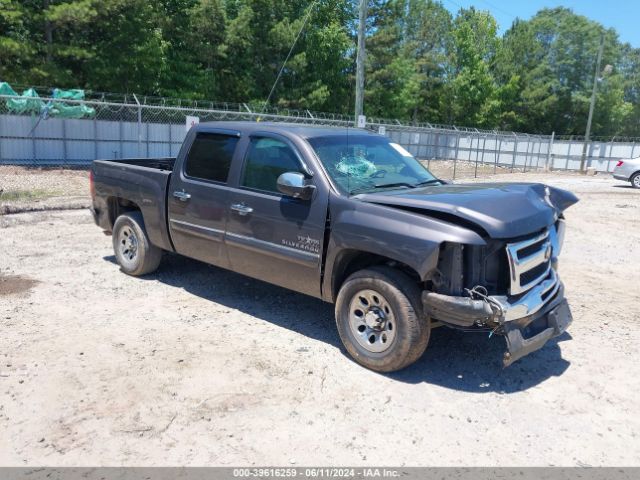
x: 198, y: 197
x: 272, y: 237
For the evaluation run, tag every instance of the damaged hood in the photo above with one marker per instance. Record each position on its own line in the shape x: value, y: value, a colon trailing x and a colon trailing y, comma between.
x: 503, y: 210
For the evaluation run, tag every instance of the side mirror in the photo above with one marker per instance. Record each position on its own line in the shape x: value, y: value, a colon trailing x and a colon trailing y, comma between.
x: 293, y: 184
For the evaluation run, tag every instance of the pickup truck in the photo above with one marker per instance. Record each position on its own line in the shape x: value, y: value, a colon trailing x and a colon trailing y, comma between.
x: 350, y: 217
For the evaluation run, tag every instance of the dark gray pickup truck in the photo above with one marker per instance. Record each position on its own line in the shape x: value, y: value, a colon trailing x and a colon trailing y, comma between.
x: 347, y: 216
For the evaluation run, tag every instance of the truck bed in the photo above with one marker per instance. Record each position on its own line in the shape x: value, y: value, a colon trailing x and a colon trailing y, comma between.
x: 139, y: 181
x: 157, y: 163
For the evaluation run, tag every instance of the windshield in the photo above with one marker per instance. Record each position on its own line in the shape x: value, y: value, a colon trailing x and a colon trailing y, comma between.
x: 364, y: 163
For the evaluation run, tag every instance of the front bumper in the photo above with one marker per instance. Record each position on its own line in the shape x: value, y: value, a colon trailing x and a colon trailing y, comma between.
x: 467, y: 312
x: 529, y: 334
x: 527, y: 321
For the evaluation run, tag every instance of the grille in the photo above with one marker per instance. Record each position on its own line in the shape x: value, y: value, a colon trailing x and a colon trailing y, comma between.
x: 529, y: 262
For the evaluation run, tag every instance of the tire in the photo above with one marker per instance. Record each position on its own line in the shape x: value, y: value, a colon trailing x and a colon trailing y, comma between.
x: 635, y: 180
x: 136, y: 255
x: 391, y: 309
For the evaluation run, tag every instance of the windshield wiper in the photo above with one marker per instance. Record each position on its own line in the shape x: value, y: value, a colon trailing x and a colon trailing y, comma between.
x: 395, y: 184
x: 382, y: 185
x: 427, y: 182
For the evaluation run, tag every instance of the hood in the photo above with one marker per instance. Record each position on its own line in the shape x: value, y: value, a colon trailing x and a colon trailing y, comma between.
x: 503, y: 210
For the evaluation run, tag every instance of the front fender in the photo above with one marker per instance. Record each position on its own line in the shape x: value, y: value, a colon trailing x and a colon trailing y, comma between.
x: 406, y: 237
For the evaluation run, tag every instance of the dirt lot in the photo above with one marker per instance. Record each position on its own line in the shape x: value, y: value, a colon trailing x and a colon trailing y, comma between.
x: 194, y: 365
x: 34, y: 189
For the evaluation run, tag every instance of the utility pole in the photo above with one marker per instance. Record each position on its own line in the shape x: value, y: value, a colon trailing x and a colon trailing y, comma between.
x: 592, y: 105
x: 360, y: 58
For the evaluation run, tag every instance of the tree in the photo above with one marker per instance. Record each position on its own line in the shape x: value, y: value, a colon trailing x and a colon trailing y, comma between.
x: 15, y: 45
x: 126, y: 49
x: 553, y: 55
x: 428, y: 30
x: 473, y: 91
x: 407, y: 55
x: 423, y: 64
x: 209, y: 24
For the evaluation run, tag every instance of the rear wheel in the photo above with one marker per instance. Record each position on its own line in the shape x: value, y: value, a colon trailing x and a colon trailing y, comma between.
x: 635, y: 180
x: 380, y: 320
x: 136, y: 255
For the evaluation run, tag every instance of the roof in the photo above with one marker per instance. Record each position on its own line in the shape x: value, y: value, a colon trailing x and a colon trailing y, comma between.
x: 302, y: 130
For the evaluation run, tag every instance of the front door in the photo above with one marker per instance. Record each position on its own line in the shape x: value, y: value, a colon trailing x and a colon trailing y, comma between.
x: 272, y: 237
x: 199, y: 196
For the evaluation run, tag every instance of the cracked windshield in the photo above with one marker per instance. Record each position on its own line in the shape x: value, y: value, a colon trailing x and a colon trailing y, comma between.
x: 363, y: 163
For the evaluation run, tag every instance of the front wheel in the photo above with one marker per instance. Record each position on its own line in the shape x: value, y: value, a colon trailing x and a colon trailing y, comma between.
x: 380, y: 319
x: 635, y: 180
x: 136, y: 255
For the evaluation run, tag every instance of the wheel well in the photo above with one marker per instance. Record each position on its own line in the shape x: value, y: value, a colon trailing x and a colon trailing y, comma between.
x: 117, y: 206
x: 353, y: 260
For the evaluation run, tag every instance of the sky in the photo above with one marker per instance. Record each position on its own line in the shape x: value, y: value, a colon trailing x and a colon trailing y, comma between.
x: 623, y: 15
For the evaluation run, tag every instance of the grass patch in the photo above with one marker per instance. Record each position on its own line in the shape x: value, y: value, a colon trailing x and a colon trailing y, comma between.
x: 22, y: 195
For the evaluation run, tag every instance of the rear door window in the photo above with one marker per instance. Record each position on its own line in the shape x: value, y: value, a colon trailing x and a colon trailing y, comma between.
x: 210, y: 157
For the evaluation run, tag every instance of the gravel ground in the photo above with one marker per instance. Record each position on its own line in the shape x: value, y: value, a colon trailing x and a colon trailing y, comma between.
x: 34, y: 189
x: 194, y: 365
x: 465, y: 170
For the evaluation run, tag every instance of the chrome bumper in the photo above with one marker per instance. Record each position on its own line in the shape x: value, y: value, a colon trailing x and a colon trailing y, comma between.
x: 467, y: 312
x: 526, y: 323
x: 530, y: 302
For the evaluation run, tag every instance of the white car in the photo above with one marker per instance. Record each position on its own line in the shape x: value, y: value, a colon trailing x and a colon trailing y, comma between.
x: 628, y: 169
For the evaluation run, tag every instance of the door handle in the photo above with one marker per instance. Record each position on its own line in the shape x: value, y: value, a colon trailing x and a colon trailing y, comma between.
x: 182, y: 195
x: 241, y: 208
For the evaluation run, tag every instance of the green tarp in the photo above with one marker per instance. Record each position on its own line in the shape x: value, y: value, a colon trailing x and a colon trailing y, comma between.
x: 30, y: 102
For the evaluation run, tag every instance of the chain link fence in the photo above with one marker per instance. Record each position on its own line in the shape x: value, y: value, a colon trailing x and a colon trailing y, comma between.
x: 128, y: 126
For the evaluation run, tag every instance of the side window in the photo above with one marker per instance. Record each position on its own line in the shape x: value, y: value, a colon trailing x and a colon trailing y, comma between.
x: 267, y: 159
x: 210, y: 156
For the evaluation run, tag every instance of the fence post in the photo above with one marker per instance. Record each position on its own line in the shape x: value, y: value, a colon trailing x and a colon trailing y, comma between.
x: 120, y: 144
x: 538, y: 155
x: 475, y: 173
x: 139, y: 125
x: 457, y: 143
x: 515, y: 151
x: 546, y: 162
x: 610, y: 150
x: 526, y: 155
x: 64, y: 140
x: 95, y: 138
x: 33, y: 139
x: 498, y: 151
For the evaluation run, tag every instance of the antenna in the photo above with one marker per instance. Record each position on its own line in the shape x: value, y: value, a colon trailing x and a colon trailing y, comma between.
x: 288, y: 55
